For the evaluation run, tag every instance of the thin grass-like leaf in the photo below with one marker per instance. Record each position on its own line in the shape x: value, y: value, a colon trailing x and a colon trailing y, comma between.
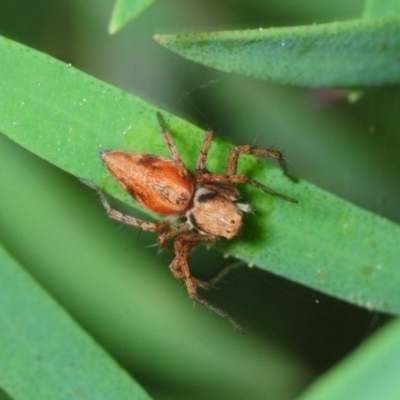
x: 44, y: 353
x: 125, y: 11
x: 378, y: 8
x: 371, y: 372
x: 352, y: 53
x: 67, y: 117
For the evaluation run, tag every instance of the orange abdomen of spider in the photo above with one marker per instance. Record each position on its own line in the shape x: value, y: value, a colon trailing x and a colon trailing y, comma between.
x: 154, y: 181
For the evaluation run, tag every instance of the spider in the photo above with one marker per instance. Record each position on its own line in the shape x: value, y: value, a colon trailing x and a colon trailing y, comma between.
x: 199, y: 206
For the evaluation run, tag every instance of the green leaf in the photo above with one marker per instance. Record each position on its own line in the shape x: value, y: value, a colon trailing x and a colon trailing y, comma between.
x: 44, y: 354
x: 123, y: 294
x: 124, y: 11
x: 353, y: 53
x: 379, y: 8
x: 67, y: 117
x: 371, y: 372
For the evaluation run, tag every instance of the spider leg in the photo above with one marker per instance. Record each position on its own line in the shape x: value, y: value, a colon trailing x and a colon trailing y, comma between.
x: 184, y: 243
x: 180, y: 269
x: 172, y: 232
x: 229, y: 179
x: 201, y: 162
x: 247, y: 149
x: 172, y: 147
x: 127, y: 219
x: 221, y: 274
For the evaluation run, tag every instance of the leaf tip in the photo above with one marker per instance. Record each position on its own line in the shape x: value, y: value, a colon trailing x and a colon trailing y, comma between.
x: 112, y: 29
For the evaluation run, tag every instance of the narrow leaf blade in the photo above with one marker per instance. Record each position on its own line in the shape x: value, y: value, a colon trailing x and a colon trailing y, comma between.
x: 67, y: 117
x: 371, y: 372
x: 44, y: 354
x: 353, y: 53
x: 124, y: 11
x: 378, y: 8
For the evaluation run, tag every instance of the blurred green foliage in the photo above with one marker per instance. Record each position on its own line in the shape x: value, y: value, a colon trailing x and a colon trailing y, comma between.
x: 53, y: 225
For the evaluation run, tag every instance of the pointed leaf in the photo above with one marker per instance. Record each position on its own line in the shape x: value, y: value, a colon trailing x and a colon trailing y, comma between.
x: 124, y: 11
x: 353, y: 53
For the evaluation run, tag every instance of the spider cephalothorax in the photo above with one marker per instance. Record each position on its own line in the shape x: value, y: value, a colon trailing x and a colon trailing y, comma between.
x: 199, y: 206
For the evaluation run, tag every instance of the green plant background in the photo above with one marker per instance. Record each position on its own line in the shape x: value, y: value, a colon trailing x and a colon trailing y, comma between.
x: 115, y: 284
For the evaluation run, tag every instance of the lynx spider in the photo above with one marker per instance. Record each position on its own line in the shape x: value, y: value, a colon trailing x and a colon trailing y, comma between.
x: 199, y: 207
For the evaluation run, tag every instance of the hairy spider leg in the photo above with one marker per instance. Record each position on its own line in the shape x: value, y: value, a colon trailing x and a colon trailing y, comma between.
x: 172, y: 147
x: 247, y: 149
x: 127, y: 219
x: 179, y: 267
x: 206, y: 284
x: 229, y: 179
x: 172, y: 232
x: 201, y: 161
